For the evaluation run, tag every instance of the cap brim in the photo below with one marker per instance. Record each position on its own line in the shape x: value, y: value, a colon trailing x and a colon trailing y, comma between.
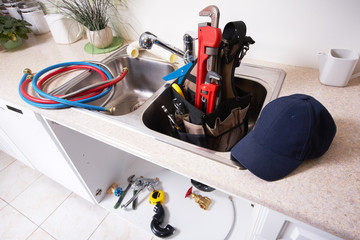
x: 261, y: 161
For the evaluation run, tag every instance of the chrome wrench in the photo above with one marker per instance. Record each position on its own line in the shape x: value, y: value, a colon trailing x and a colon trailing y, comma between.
x: 139, y: 185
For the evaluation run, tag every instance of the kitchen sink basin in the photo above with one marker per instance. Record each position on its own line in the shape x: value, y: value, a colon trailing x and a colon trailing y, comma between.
x: 139, y: 96
x: 262, y: 82
x: 155, y: 118
x: 143, y: 79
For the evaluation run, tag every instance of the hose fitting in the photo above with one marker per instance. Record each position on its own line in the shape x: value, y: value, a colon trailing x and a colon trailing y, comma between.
x: 27, y: 71
x: 110, y: 110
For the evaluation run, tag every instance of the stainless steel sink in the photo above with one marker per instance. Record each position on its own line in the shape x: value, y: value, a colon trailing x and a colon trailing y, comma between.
x: 141, y: 82
x: 139, y: 97
x: 264, y: 84
x: 155, y: 119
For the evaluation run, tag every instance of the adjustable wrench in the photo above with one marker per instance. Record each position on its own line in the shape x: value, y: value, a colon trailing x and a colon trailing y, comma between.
x: 140, y: 184
x: 209, y: 38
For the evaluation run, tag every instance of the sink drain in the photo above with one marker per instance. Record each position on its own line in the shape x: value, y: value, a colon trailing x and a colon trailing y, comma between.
x: 136, y: 105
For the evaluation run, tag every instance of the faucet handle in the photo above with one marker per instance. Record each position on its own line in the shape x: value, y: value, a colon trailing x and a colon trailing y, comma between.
x: 189, y: 46
x: 193, y: 35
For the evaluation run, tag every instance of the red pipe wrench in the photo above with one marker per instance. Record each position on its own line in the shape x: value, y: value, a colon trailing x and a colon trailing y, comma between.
x: 209, y: 38
x: 209, y: 90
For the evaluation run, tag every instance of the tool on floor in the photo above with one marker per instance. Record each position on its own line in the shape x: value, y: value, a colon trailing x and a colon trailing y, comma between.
x: 134, y: 202
x: 139, y: 185
x: 209, y: 41
x: 204, y: 202
x: 130, y: 182
x: 157, y: 196
x: 157, y: 220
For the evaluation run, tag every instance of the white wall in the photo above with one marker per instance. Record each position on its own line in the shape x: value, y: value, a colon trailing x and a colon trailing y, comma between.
x: 285, y: 31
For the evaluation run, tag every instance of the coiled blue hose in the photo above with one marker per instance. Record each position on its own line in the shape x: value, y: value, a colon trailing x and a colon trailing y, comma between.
x: 62, y: 103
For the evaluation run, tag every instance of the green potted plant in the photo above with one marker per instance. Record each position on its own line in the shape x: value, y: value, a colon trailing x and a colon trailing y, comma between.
x: 12, y: 31
x: 93, y: 14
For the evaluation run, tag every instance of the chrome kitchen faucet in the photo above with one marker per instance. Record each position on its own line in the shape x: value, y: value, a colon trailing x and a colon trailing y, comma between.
x: 147, y: 40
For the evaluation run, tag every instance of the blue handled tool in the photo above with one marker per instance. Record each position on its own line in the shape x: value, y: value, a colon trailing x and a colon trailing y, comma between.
x: 179, y: 73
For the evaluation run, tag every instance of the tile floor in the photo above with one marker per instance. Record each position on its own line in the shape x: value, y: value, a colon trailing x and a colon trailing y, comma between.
x: 34, y: 207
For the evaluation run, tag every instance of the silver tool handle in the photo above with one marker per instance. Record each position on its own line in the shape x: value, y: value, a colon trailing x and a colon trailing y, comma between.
x: 134, y: 196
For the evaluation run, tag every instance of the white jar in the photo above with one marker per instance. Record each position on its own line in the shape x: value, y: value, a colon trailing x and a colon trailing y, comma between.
x: 33, y: 14
x: 12, y: 8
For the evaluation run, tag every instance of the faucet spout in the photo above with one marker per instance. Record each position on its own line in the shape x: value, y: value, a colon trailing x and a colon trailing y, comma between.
x: 147, y: 40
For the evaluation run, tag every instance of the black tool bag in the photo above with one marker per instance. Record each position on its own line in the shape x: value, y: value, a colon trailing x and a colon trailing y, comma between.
x: 221, y: 129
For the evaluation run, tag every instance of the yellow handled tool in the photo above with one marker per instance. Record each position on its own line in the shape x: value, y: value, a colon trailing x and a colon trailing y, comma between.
x: 178, y: 89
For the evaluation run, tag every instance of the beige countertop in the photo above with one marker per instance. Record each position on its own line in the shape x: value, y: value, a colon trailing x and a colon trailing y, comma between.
x: 323, y: 192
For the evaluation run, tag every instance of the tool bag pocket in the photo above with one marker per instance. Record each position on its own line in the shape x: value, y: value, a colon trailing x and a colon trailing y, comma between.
x: 219, y: 130
x: 228, y: 124
x: 191, y: 123
x: 194, y: 134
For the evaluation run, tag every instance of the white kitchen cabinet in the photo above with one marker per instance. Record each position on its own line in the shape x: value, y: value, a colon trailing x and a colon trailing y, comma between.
x: 7, y: 146
x: 269, y: 225
x: 100, y: 165
x: 9, y: 120
x: 25, y: 136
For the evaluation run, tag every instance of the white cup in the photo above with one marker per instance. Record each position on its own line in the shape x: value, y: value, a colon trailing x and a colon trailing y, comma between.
x: 63, y: 29
x: 336, y: 67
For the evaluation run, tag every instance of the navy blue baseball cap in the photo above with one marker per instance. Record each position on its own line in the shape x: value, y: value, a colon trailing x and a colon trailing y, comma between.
x: 289, y: 130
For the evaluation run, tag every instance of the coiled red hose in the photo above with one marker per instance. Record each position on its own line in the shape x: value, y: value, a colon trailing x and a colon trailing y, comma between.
x: 82, y: 95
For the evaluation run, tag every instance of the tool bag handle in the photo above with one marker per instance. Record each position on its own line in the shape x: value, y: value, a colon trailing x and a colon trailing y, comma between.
x: 232, y: 50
